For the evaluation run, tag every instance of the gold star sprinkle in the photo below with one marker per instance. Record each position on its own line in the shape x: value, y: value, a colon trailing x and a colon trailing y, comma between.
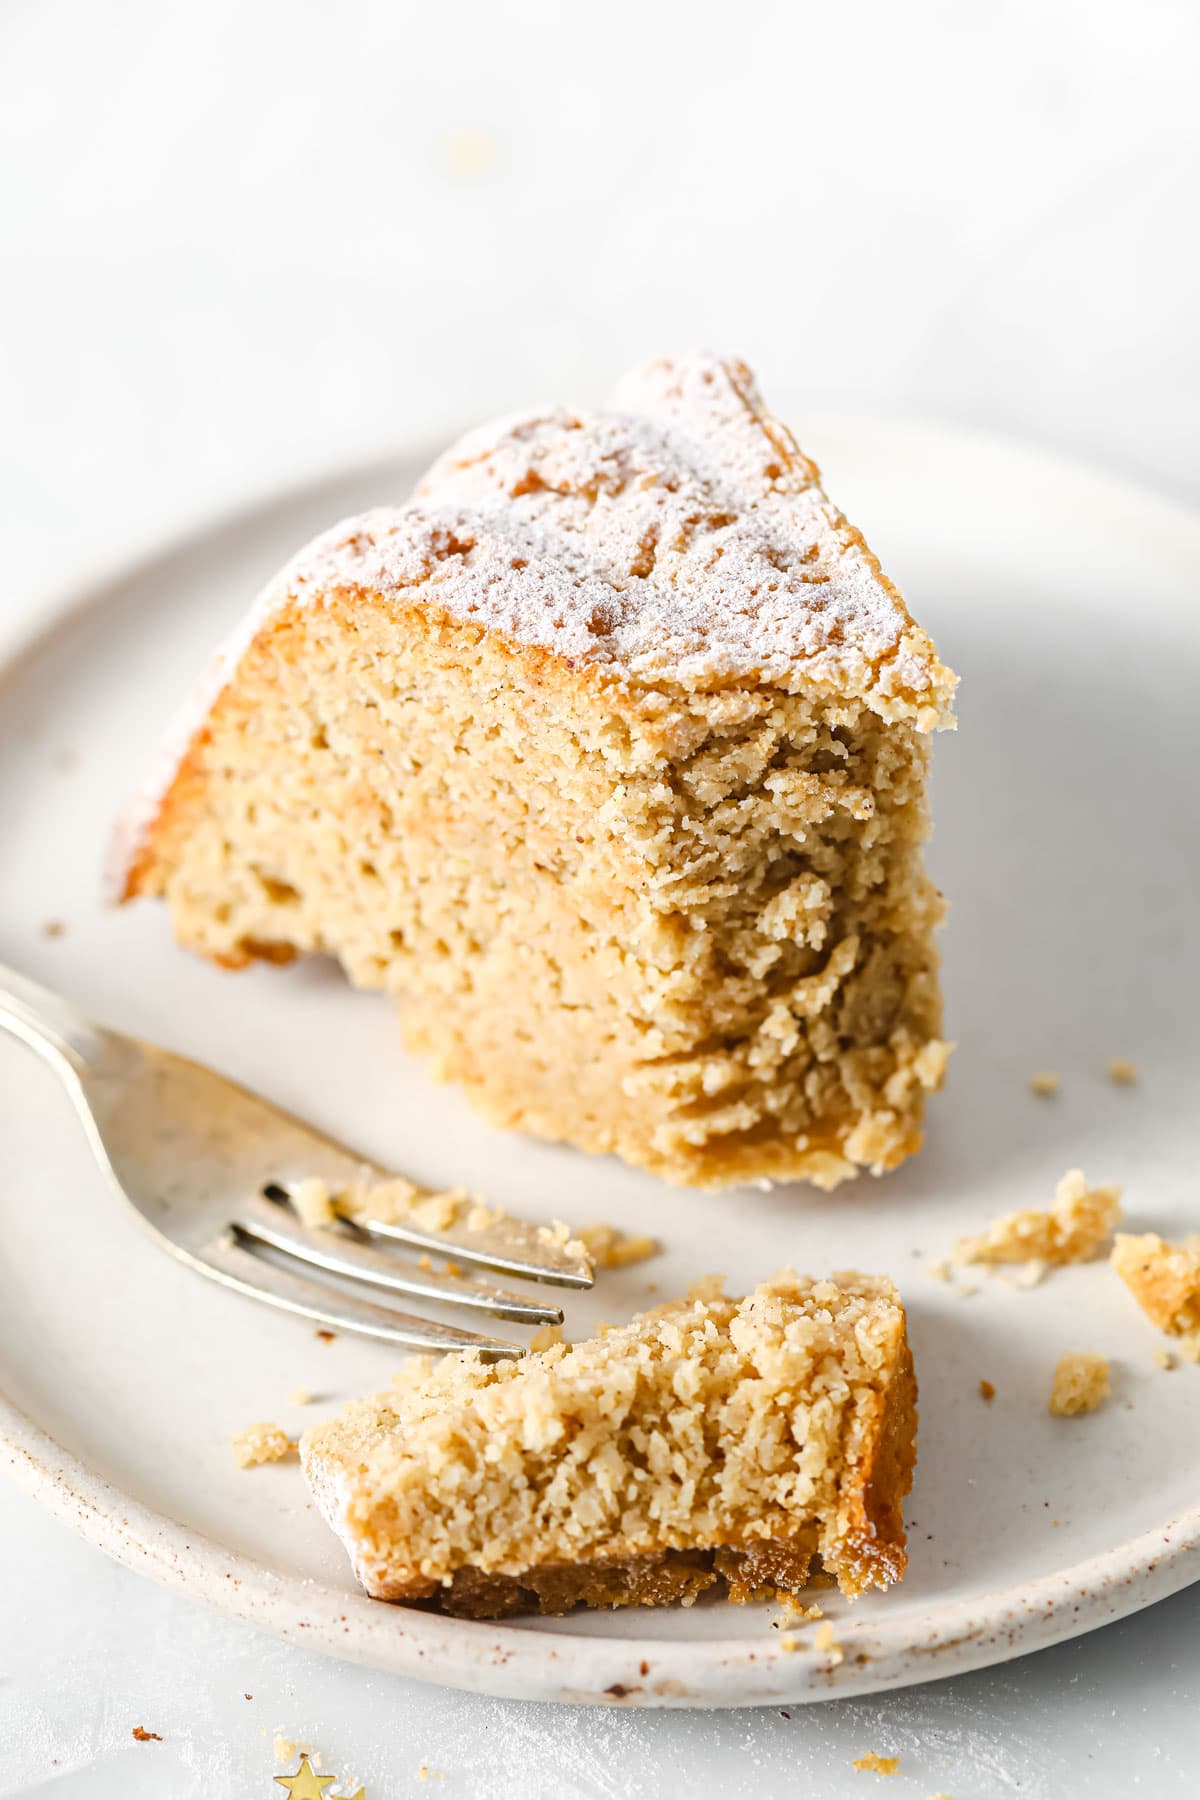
x: 306, y: 1784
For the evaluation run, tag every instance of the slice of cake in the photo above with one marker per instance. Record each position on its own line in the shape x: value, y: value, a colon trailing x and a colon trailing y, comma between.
x: 709, y: 1440
x: 606, y: 756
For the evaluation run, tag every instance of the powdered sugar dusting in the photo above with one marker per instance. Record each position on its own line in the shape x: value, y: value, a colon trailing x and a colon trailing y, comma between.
x: 677, y: 537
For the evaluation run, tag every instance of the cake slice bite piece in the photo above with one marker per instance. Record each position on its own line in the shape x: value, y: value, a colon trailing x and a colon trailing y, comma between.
x: 712, y: 1440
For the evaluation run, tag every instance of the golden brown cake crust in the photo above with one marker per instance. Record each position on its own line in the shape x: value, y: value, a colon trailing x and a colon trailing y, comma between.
x: 712, y: 1440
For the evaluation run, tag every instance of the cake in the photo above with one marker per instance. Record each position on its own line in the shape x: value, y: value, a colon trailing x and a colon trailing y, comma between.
x: 713, y: 1440
x: 606, y: 757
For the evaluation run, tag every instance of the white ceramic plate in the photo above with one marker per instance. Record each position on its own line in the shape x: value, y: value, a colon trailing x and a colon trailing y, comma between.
x: 1066, y: 813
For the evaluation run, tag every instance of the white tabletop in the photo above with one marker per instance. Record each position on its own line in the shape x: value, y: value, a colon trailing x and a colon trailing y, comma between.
x: 242, y: 244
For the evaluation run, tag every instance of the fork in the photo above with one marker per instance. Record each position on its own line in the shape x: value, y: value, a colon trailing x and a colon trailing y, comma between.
x: 207, y: 1167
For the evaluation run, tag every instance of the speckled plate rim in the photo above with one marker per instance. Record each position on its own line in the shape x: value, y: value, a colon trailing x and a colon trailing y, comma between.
x: 522, y: 1665
x: 513, y: 1663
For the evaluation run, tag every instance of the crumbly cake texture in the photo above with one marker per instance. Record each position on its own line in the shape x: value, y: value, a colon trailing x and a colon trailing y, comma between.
x: 606, y: 757
x: 709, y: 1440
x: 1081, y: 1383
x: 1164, y: 1279
x: 1073, y: 1229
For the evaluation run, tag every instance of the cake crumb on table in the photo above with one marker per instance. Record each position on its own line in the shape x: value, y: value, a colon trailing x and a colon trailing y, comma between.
x: 1163, y: 1359
x: 263, y: 1442
x: 1164, y: 1279
x: 300, y: 1395
x: 1120, y: 1072
x: 874, y: 1764
x: 1081, y: 1383
x: 986, y: 1391
x: 939, y: 1270
x: 1045, y: 1083
x: 1072, y: 1230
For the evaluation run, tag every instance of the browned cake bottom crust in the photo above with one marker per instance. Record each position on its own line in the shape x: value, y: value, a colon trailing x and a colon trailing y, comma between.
x: 671, y: 1577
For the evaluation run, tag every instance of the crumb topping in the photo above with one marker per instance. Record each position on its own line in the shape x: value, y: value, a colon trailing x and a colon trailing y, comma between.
x: 1071, y: 1231
x: 1081, y: 1383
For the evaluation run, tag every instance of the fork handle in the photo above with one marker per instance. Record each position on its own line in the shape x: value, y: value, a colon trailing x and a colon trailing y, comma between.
x: 46, y: 1022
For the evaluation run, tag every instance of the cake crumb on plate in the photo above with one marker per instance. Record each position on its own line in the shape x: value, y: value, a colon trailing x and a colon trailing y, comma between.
x: 1120, y: 1072
x: 874, y: 1764
x: 1072, y: 1230
x: 610, y: 1248
x: 1164, y: 1279
x: 1045, y: 1083
x: 263, y: 1442
x: 1081, y: 1383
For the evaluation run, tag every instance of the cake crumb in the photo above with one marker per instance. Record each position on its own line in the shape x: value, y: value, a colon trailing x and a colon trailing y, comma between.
x: 965, y: 1290
x: 546, y: 1337
x: 986, y: 1391
x: 312, y: 1202
x: 1120, y: 1072
x: 1164, y: 1279
x: 939, y: 1270
x: 1081, y: 1383
x: 827, y: 1643
x: 874, y: 1764
x: 789, y: 1641
x: 300, y: 1395
x: 792, y: 1607
x: 1045, y: 1083
x: 325, y: 1336
x: 1071, y: 1231
x: 54, y: 928
x: 1163, y: 1359
x: 610, y: 1248
x: 284, y: 1749
x: 261, y: 1443
x: 146, y: 1737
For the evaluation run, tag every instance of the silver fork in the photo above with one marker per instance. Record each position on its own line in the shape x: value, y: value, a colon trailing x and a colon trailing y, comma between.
x: 207, y: 1167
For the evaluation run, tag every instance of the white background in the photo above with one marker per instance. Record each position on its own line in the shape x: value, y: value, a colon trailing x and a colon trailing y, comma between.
x: 241, y: 242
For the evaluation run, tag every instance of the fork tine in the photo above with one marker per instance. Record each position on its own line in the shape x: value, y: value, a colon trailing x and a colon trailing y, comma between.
x: 230, y: 1262
x: 341, y: 1249
x: 512, y: 1247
